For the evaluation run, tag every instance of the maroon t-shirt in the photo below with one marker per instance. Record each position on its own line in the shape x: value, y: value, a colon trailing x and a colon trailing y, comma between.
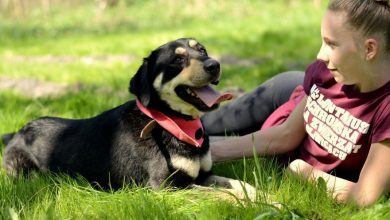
x: 341, y: 123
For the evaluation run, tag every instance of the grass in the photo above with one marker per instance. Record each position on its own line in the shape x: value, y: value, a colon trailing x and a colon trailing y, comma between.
x: 275, y: 35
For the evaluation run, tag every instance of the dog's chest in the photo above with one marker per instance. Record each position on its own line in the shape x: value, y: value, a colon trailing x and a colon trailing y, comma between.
x: 187, y: 158
x: 181, y: 156
x: 192, y: 166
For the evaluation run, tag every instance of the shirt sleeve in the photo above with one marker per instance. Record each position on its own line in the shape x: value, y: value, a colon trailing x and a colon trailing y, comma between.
x: 308, y: 79
x: 316, y: 73
x: 381, y: 125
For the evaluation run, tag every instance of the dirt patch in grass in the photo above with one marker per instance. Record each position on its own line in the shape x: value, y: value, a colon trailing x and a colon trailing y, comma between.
x: 106, y: 59
x: 36, y: 88
x: 109, y: 59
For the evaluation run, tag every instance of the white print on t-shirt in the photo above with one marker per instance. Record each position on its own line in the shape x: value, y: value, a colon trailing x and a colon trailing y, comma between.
x: 332, y: 127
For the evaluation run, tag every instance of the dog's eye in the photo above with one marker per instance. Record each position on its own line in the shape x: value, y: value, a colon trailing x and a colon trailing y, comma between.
x: 203, y: 51
x: 179, y: 60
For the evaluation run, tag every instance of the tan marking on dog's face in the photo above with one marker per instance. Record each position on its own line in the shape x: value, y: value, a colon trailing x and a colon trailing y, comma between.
x: 205, y: 162
x: 157, y: 84
x: 180, y: 51
x: 195, y: 74
x: 192, y: 43
x: 192, y: 76
x: 168, y: 94
x: 189, y: 166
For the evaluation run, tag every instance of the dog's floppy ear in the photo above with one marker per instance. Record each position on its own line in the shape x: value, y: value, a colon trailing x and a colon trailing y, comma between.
x: 139, y: 84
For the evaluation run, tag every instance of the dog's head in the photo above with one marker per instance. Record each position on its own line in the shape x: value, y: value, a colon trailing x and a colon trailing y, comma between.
x: 176, y: 79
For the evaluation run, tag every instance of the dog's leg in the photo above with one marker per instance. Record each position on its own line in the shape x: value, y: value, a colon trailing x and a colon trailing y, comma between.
x: 16, y: 162
x: 239, y: 189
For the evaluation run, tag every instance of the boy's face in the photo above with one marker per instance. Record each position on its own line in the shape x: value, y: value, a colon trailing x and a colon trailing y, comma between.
x: 342, y: 49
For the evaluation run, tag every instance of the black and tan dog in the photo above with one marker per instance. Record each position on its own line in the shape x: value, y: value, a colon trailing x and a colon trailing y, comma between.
x: 155, y: 140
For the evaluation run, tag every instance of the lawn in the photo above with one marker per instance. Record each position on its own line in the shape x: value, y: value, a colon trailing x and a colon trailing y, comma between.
x: 75, y: 60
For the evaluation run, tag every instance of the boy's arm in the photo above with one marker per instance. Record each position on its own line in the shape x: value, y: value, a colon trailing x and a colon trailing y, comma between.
x: 374, y: 179
x: 274, y: 140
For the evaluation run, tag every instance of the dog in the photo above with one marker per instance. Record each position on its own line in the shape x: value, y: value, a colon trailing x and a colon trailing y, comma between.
x: 156, y: 140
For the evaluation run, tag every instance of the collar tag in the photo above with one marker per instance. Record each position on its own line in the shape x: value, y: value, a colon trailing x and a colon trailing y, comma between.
x: 147, y: 129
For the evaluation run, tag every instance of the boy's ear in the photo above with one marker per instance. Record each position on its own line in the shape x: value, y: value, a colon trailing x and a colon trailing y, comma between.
x: 371, y: 48
x: 139, y: 84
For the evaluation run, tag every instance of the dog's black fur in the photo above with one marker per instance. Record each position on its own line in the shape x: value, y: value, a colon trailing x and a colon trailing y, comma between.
x: 107, y: 149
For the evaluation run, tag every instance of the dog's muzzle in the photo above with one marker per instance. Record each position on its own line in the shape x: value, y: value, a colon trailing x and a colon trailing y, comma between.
x: 212, y: 68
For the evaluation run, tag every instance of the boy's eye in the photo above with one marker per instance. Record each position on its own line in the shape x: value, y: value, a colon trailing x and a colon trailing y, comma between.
x: 330, y: 44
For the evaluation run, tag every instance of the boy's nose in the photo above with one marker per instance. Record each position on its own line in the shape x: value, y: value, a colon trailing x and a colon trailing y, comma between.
x: 322, y: 54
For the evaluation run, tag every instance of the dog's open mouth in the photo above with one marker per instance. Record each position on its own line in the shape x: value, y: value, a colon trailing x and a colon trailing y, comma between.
x: 204, y: 98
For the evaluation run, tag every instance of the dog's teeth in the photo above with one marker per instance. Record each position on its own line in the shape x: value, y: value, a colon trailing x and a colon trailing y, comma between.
x: 191, y: 93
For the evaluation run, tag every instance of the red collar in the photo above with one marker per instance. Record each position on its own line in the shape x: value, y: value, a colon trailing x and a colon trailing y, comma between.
x: 190, y: 131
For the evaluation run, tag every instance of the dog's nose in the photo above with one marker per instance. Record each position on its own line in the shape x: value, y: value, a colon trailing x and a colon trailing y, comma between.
x: 212, y: 67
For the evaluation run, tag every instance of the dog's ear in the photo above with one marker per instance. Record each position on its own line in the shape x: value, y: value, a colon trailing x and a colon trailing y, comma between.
x: 139, y: 84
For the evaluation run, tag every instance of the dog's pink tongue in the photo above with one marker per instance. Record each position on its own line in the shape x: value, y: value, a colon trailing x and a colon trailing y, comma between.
x: 210, y: 96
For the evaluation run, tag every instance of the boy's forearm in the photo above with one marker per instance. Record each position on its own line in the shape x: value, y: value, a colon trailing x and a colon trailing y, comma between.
x: 231, y: 149
x: 274, y: 140
x: 264, y: 142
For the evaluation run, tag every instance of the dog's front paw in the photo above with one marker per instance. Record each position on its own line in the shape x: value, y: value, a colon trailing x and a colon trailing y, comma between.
x: 239, y: 189
x: 243, y: 190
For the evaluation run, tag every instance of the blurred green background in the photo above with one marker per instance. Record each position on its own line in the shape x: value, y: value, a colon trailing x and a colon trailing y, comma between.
x: 51, y: 48
x: 254, y: 40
